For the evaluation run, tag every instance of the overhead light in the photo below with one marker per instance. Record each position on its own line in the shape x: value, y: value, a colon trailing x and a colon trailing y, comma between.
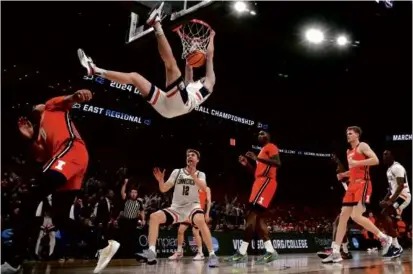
x: 253, y: 12
x: 342, y: 40
x: 240, y: 6
x: 315, y: 36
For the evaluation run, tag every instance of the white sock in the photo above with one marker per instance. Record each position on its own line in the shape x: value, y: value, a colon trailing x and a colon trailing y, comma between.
x: 395, y: 242
x: 158, y: 28
x: 381, y: 235
x: 345, y: 247
x: 200, y: 250
x: 243, y: 249
x: 336, y: 248
x: 179, y: 249
x: 211, y: 253
x: 332, y: 245
x: 99, y: 71
x: 268, y: 246
x: 152, y: 247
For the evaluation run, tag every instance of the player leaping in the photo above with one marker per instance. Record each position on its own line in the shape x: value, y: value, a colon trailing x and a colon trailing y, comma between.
x: 180, y: 96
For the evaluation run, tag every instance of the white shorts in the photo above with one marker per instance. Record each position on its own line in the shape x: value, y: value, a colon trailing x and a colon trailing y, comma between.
x: 183, y: 214
x: 402, y: 202
x: 177, y: 99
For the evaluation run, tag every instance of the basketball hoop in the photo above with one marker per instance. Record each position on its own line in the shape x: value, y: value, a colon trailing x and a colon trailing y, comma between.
x: 195, y: 36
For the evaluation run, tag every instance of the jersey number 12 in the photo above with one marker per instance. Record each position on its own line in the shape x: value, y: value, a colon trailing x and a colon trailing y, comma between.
x: 185, y: 190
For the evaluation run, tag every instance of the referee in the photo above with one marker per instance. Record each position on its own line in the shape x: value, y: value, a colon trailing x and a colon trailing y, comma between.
x: 132, y: 213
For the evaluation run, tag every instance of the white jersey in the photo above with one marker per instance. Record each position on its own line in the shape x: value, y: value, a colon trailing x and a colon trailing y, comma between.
x: 186, y: 192
x: 171, y: 104
x: 394, y: 171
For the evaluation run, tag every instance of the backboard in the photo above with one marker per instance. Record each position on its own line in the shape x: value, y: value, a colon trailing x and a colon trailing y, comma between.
x: 175, y: 11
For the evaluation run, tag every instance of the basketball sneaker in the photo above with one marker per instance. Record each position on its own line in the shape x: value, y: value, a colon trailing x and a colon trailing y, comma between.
x: 213, y: 260
x: 267, y: 258
x: 86, y: 62
x: 151, y: 257
x: 6, y: 268
x: 237, y: 258
x: 324, y: 254
x: 199, y: 257
x: 334, y: 257
x: 385, y: 244
x: 105, y: 255
x: 346, y: 256
x: 155, y: 15
x: 397, y: 252
x: 176, y: 256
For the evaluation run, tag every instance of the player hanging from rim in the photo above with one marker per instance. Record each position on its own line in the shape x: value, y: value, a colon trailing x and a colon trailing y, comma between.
x: 360, y: 157
x: 263, y: 190
x: 179, y: 97
x: 205, y: 201
x: 345, y: 253
x: 185, y: 204
x: 57, y: 143
x: 396, y: 200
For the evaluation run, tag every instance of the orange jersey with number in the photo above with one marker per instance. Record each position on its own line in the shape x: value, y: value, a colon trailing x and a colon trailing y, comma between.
x: 202, y: 198
x: 264, y: 170
x: 358, y: 173
x: 56, y: 127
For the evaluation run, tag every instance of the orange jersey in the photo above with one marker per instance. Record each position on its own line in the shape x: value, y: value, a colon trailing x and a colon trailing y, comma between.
x: 264, y: 170
x: 202, y: 198
x: 359, y: 172
x: 56, y: 127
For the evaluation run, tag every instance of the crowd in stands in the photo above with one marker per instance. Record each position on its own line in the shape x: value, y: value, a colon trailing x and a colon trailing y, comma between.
x: 101, y: 208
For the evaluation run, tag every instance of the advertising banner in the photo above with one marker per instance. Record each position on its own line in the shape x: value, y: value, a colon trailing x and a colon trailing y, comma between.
x: 226, y: 243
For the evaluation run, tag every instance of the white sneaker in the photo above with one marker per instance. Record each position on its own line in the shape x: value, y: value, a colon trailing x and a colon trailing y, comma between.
x: 334, y: 257
x: 155, y: 15
x: 176, y: 256
x: 105, y: 255
x: 86, y: 62
x: 8, y: 269
x: 385, y: 244
x: 199, y: 257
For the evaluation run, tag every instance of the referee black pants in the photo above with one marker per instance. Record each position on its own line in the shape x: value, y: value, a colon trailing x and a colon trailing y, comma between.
x: 128, y: 237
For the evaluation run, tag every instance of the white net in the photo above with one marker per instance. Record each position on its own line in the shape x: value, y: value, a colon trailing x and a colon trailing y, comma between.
x: 195, y: 36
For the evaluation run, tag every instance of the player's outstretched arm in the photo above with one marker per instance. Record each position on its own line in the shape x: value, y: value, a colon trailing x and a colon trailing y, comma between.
x: 160, y: 175
x: 209, y: 82
x: 80, y: 96
x: 189, y: 74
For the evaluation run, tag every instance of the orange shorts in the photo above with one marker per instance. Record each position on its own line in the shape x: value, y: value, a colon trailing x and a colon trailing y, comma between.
x: 358, y: 192
x: 71, y: 161
x: 263, y: 191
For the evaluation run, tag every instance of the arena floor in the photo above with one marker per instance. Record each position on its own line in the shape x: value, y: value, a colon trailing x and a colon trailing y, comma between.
x: 297, y: 263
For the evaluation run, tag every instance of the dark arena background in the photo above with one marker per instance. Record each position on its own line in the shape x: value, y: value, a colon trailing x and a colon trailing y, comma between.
x: 270, y: 76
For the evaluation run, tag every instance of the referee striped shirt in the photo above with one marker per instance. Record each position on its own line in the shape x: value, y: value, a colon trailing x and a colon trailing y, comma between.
x: 132, y: 208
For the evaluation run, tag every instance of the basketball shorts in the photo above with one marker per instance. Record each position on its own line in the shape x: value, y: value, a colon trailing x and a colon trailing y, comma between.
x: 176, y: 100
x: 179, y: 214
x: 71, y: 161
x: 358, y: 192
x: 263, y: 191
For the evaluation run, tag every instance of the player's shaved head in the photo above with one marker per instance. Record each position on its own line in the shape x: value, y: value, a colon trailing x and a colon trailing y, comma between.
x: 263, y: 136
